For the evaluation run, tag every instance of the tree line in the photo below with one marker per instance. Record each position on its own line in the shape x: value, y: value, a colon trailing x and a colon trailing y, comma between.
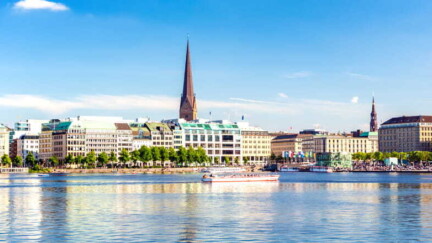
x: 414, y: 156
x: 136, y: 158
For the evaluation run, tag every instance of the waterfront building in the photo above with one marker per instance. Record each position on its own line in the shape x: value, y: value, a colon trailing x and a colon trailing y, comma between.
x: 287, y: 143
x: 4, y: 140
x: 406, y: 133
x: 343, y: 143
x: 188, y: 106
x: 160, y: 134
x: 256, y: 144
x: 27, y: 144
x: 219, y: 139
x: 124, y: 137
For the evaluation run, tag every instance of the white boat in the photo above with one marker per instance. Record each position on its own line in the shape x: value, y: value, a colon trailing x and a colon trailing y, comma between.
x: 289, y: 169
x: 240, y: 177
x: 321, y: 169
x: 214, y: 170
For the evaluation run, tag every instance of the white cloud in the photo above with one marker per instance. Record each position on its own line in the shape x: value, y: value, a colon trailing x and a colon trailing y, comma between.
x: 302, y: 74
x: 360, y: 76
x: 294, y: 112
x: 355, y: 100
x: 40, y: 4
x: 283, y: 95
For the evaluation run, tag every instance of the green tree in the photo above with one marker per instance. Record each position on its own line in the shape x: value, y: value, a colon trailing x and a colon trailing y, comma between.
x: 17, y: 161
x: 164, y: 154
x: 378, y: 156
x: 112, y: 158
x: 69, y: 159
x: 182, y: 155
x: 201, y: 155
x: 191, y: 155
x: 79, y: 159
x: 135, y: 156
x: 91, y: 159
x: 53, y: 161
x: 245, y: 160
x: 124, y: 156
x: 172, y: 155
x: 227, y: 160
x: 145, y: 154
x: 6, y: 160
x: 30, y: 160
x: 103, y: 159
x: 156, y: 155
x: 216, y: 160
x: 272, y: 157
x: 237, y: 160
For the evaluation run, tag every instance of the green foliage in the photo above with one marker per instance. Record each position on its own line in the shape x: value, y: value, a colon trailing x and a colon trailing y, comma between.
x: 216, y: 160
x: 53, y: 161
x: 6, y: 160
x: 17, y: 161
x: 156, y: 155
x: 124, y: 156
x: 201, y: 155
x: 227, y: 160
x: 145, y: 154
x: 164, y: 154
x: 112, y: 157
x: 237, y: 160
x: 69, y: 159
x: 245, y: 160
x: 135, y: 156
x: 39, y: 169
x: 182, y: 155
x: 191, y: 155
x: 103, y: 159
x: 80, y: 160
x: 30, y: 159
x: 272, y: 156
x: 172, y: 154
x: 91, y: 159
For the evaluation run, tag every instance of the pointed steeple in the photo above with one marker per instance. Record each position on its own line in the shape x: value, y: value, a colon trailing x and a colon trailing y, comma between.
x: 373, y: 120
x: 188, y: 109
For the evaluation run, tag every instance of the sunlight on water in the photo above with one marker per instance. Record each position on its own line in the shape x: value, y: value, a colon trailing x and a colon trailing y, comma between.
x: 301, y: 207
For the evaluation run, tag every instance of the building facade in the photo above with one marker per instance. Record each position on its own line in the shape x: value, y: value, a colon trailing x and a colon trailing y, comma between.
x: 28, y: 144
x: 256, y: 144
x: 4, y: 140
x: 346, y: 144
x: 405, y: 134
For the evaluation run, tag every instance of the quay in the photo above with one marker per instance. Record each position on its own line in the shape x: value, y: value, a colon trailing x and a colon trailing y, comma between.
x: 13, y: 170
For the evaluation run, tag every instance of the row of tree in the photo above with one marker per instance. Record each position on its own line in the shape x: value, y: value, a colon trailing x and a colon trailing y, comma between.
x: 144, y: 155
x: 414, y: 156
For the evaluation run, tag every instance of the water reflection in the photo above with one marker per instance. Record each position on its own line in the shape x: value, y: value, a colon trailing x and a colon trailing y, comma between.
x: 134, y: 209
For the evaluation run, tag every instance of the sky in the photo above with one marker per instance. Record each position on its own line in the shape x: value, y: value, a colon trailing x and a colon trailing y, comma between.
x: 283, y: 65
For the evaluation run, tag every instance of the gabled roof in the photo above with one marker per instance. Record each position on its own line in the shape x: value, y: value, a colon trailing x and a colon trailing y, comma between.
x: 122, y: 126
x: 408, y: 119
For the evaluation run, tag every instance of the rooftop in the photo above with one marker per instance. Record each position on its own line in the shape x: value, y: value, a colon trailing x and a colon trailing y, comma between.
x: 408, y: 119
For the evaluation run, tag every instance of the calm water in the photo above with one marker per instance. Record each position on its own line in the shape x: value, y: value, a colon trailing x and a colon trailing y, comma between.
x: 178, y: 208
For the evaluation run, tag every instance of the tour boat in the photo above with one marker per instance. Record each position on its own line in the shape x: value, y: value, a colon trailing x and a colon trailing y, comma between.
x: 240, y: 177
x: 289, y: 169
x: 214, y: 170
x: 322, y: 169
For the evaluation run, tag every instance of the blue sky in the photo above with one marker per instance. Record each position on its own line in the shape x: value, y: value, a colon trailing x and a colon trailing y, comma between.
x: 282, y: 64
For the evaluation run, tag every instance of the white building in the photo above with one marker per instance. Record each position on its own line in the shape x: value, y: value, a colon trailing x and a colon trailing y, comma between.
x: 27, y: 144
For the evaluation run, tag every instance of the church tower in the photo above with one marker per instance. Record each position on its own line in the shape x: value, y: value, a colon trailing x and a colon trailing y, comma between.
x: 373, y: 121
x: 188, y: 107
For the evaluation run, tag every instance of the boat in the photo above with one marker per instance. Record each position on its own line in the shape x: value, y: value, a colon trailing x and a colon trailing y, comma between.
x: 289, y: 169
x: 321, y: 169
x: 240, y: 177
x: 214, y: 170
x: 43, y: 175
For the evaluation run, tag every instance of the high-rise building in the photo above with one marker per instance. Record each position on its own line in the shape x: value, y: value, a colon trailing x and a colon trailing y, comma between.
x: 188, y: 107
x: 373, y: 121
x: 405, y: 134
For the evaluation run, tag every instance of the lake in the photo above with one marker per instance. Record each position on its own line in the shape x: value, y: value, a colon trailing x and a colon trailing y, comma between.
x: 301, y: 207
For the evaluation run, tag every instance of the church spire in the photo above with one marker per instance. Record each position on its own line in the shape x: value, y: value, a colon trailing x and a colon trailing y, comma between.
x: 374, y: 120
x: 188, y: 109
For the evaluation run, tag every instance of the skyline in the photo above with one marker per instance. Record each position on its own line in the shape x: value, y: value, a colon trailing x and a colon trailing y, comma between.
x: 133, y: 65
